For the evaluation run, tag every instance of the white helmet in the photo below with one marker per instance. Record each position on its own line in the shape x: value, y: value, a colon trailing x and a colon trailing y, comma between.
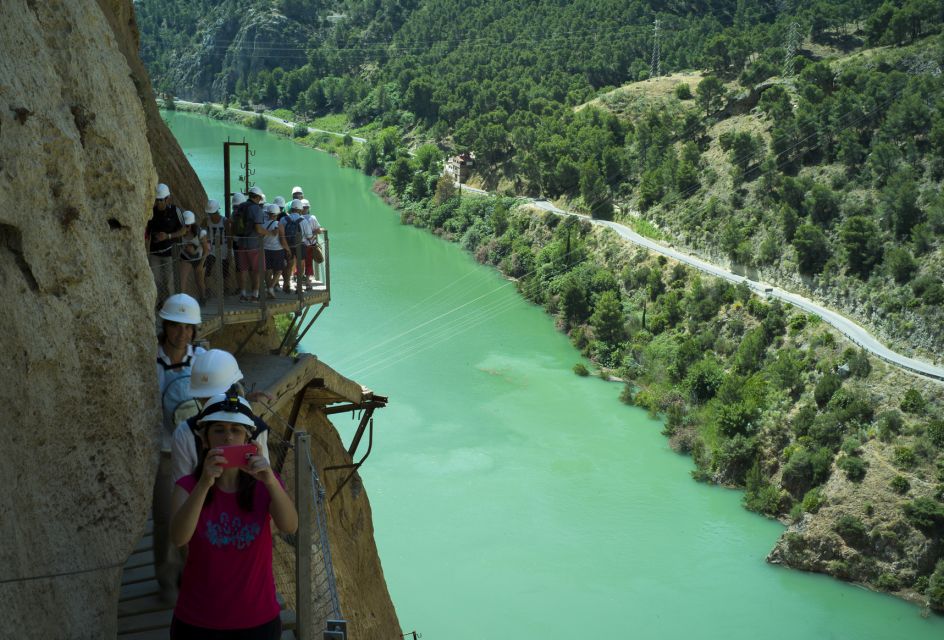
x: 181, y: 308
x: 297, y: 190
x: 280, y: 201
x: 297, y: 205
x: 305, y: 203
x: 213, y: 372
x: 256, y: 191
x: 189, y: 218
x: 272, y: 209
x: 228, y: 408
x: 238, y: 198
x: 213, y: 206
x: 163, y: 191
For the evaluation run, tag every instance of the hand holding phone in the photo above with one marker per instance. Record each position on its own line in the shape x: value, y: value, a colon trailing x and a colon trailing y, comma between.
x: 237, y: 455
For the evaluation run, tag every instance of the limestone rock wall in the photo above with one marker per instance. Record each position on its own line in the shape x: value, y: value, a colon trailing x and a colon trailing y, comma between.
x: 77, y: 384
x: 80, y: 137
x: 168, y: 158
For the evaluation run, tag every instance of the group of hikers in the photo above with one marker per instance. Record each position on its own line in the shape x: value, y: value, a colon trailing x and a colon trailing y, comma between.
x: 268, y: 242
x: 212, y: 514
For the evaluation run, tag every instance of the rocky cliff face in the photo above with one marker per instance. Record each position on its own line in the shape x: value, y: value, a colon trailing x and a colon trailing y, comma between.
x: 168, y: 158
x: 77, y: 384
x: 81, y: 148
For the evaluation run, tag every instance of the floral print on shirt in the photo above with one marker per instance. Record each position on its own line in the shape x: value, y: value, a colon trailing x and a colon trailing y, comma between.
x: 232, y: 532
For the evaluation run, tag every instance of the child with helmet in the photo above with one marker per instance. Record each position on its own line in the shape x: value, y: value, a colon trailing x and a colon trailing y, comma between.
x: 222, y: 514
x: 194, y: 248
x: 176, y: 355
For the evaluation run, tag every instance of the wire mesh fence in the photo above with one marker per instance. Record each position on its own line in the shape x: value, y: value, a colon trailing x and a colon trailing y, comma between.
x: 291, y: 456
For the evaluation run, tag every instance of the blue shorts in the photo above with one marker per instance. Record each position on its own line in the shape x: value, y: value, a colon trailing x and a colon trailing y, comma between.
x: 275, y: 259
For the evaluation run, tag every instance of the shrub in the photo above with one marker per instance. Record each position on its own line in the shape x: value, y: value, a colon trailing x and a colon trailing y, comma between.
x: 805, y: 470
x: 825, y: 388
x: 904, y: 457
x: 300, y: 130
x: 760, y: 495
x: 803, y: 420
x: 913, y: 402
x: 735, y: 458
x: 813, y: 500
x: 888, y: 582
x: 854, y: 467
x: 683, y: 91
x: 935, y: 591
x: 889, y: 424
x: 257, y: 121
x: 852, y: 531
x: 935, y: 431
x: 858, y: 362
x: 926, y: 515
x: 581, y: 370
x: 850, y: 446
x: 900, y: 485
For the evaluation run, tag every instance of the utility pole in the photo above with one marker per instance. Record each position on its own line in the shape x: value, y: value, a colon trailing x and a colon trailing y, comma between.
x: 793, y: 43
x: 655, y: 67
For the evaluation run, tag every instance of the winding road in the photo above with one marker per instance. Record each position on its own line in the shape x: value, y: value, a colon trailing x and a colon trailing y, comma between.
x: 850, y: 329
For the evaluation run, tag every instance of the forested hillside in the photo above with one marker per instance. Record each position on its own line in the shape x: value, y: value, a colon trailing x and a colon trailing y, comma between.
x: 804, y: 146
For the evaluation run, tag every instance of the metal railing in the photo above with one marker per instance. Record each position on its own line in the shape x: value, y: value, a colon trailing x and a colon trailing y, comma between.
x: 222, y: 288
x: 302, y: 562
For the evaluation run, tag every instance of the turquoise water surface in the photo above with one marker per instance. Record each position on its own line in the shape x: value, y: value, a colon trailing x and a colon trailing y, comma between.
x: 511, y: 498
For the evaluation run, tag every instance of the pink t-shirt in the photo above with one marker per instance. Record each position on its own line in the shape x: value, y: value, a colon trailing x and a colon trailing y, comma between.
x: 227, y: 582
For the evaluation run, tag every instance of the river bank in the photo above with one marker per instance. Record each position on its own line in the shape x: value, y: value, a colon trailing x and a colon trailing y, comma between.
x: 341, y: 145
x: 781, y: 405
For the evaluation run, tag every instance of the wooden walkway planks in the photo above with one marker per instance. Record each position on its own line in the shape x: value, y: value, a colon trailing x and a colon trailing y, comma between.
x: 236, y: 312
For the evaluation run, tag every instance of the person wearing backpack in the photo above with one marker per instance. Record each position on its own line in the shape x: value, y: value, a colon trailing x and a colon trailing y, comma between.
x: 292, y: 226
x: 165, y: 226
x: 180, y: 317
x: 248, y: 226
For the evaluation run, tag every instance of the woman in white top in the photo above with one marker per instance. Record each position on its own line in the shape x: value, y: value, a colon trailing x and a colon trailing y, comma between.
x: 276, y: 248
x: 194, y: 248
x: 313, y: 255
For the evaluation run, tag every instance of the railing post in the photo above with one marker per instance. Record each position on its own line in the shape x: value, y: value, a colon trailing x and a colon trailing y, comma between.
x: 327, y: 264
x: 304, y: 502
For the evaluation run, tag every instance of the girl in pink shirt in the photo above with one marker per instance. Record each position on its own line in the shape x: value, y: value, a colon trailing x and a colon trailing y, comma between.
x: 222, y: 515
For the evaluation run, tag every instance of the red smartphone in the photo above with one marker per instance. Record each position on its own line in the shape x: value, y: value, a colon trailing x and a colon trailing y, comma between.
x: 237, y: 455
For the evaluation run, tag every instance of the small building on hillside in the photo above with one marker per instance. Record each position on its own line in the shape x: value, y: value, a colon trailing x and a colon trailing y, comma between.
x: 460, y: 166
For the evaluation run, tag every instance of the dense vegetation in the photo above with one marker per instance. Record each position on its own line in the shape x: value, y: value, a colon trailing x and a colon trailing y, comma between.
x: 822, y: 169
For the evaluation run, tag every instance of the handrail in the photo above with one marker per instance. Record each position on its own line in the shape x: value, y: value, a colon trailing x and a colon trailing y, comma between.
x: 221, y: 300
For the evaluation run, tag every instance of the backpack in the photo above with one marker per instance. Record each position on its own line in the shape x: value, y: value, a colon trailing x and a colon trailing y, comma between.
x: 176, y: 401
x: 293, y: 227
x: 242, y: 225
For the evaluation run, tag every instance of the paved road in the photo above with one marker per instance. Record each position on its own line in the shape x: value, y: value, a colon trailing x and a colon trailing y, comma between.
x: 267, y: 116
x: 850, y: 329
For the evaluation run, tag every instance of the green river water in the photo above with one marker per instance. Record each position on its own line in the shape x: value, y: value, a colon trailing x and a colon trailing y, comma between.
x: 511, y: 498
